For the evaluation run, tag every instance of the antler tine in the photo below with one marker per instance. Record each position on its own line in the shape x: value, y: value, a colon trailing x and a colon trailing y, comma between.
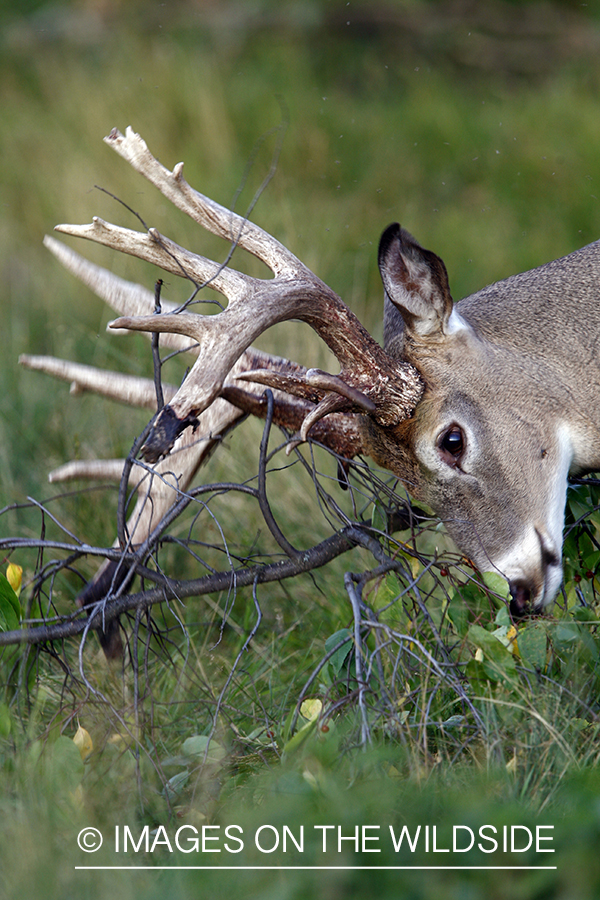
x: 154, y: 247
x: 206, y: 212
x: 110, y: 470
x: 127, y: 389
x: 123, y: 296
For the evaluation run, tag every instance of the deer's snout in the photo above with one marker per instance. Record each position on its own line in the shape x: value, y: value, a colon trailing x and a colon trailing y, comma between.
x: 534, y: 590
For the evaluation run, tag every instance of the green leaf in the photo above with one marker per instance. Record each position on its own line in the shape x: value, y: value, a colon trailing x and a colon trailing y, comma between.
x: 341, y: 655
x: 379, y: 519
x: 567, y: 633
x: 310, y: 712
x: 299, y: 737
x: 197, y: 746
x: 5, y: 720
x: 175, y: 785
x: 533, y: 644
x: 571, y: 636
x: 498, y: 662
x: 503, y: 633
x: 502, y: 617
x: 10, y: 608
x: 458, y: 614
x: 584, y: 614
x: 497, y: 584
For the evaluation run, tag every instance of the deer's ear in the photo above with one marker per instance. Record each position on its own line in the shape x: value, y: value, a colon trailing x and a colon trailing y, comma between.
x: 415, y: 281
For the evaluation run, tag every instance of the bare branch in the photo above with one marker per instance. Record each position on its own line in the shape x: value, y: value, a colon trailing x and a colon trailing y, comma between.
x: 172, y: 589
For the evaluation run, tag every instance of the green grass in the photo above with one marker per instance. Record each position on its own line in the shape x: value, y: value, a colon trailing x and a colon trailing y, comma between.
x: 497, y: 174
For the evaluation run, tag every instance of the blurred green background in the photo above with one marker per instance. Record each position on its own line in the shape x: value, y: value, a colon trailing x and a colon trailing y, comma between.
x: 477, y: 126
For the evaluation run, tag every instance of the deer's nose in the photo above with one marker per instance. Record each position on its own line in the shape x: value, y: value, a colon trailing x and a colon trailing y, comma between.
x: 520, y: 598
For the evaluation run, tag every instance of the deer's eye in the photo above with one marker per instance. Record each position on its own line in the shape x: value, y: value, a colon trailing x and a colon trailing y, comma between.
x: 452, y: 445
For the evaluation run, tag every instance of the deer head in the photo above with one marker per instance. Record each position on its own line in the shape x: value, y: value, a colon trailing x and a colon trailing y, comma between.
x: 481, y: 408
x: 506, y: 413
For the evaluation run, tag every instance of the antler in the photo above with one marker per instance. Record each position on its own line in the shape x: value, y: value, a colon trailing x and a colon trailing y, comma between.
x: 171, y: 476
x: 370, y: 381
x: 227, y: 378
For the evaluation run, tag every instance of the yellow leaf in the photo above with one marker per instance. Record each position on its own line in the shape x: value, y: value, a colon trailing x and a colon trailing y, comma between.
x: 14, y: 575
x: 310, y: 778
x: 83, y: 742
x: 512, y: 638
x: 507, y: 635
x: 311, y: 709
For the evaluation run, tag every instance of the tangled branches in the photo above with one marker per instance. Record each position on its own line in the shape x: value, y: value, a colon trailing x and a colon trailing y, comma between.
x: 392, y: 641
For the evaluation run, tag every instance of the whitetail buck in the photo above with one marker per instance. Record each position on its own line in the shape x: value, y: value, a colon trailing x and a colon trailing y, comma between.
x: 482, y: 409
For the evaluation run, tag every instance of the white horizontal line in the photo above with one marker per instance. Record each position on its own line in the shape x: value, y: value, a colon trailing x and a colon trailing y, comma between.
x: 342, y: 868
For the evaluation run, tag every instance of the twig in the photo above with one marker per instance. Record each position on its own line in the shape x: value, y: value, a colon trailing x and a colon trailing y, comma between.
x: 160, y: 400
x: 262, y: 488
x: 355, y: 600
